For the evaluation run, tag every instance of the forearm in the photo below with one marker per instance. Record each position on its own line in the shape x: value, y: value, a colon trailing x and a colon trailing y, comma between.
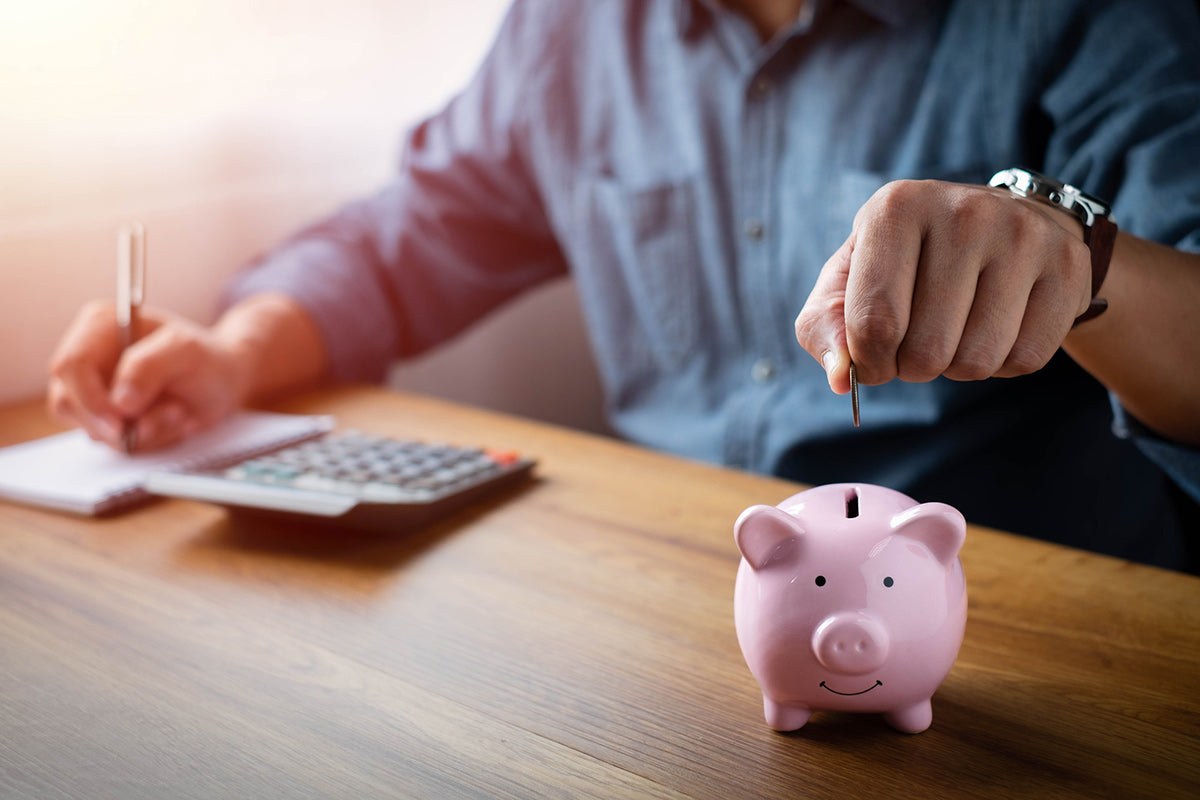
x: 276, y: 343
x: 1146, y: 347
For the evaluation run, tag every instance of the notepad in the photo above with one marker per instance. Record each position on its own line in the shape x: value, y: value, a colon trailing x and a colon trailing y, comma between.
x: 70, y: 472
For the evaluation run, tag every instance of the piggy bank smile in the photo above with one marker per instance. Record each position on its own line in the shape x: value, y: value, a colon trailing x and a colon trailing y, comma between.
x: 842, y: 586
x: 829, y: 688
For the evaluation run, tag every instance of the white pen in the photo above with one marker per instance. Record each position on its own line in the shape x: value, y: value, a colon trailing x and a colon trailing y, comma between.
x: 131, y: 289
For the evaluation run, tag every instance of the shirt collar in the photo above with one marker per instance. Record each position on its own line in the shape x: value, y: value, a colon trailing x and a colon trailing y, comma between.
x: 895, y: 13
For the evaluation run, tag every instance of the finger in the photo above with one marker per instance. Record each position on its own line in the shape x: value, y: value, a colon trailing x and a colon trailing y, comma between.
x: 992, y: 328
x: 1045, y: 324
x: 105, y: 428
x: 164, y: 424
x: 946, y: 285
x: 821, y: 324
x: 148, y: 367
x: 84, y: 360
x: 83, y: 401
x: 883, y: 269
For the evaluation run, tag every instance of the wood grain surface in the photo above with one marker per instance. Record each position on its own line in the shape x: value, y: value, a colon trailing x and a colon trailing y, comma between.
x: 571, y: 639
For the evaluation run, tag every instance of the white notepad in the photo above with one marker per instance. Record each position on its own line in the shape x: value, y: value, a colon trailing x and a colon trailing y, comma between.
x: 70, y: 472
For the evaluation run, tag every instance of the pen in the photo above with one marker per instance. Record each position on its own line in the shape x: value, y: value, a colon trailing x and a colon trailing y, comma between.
x: 131, y: 288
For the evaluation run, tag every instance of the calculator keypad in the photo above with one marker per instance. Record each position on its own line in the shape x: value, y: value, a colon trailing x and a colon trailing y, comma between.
x: 375, y: 468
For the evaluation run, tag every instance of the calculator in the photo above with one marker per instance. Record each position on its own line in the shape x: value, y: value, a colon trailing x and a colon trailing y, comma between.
x: 353, y: 479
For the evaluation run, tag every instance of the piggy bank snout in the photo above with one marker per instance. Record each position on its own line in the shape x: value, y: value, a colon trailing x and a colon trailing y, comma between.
x: 851, y: 643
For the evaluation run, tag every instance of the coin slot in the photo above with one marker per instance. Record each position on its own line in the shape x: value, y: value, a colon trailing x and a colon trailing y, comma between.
x: 852, y: 504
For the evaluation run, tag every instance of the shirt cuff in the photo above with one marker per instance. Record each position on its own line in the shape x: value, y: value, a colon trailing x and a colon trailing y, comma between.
x: 1179, y: 461
x: 355, y: 320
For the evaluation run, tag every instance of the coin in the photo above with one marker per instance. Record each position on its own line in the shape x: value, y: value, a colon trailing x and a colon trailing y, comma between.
x: 854, y: 392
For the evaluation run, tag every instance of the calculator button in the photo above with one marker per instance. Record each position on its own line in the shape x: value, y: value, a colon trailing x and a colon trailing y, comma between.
x: 504, y: 457
x: 280, y: 474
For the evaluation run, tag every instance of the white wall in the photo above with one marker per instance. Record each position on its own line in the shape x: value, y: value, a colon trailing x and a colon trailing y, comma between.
x: 223, y: 125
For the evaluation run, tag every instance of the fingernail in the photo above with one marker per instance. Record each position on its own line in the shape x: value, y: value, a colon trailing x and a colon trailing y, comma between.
x: 829, y: 360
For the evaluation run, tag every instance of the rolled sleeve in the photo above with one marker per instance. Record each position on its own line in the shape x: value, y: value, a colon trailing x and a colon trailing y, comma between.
x: 356, y: 321
x: 1126, y: 112
x: 459, y: 230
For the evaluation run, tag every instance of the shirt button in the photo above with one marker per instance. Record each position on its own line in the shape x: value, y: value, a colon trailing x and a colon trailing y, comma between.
x: 760, y: 87
x: 753, y: 230
x: 763, y: 370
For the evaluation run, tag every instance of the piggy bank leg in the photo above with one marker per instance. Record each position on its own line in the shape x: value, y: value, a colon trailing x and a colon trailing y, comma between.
x: 913, y: 719
x: 785, y: 718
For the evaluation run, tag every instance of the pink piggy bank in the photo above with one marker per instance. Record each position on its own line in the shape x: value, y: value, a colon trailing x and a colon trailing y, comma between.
x: 850, y: 597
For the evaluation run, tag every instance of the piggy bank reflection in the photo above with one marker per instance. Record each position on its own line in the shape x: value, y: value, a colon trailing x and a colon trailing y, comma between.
x: 850, y: 597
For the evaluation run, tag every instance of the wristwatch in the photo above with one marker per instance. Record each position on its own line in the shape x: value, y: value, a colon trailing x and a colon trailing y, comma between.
x: 1099, y: 230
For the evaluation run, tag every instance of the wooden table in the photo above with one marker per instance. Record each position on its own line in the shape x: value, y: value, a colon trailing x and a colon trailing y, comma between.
x: 574, y: 640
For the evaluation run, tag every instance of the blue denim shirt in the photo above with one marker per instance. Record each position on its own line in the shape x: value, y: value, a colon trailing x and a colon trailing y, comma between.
x: 694, y: 180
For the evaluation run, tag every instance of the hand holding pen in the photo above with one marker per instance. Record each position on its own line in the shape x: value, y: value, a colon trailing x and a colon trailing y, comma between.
x: 139, y: 378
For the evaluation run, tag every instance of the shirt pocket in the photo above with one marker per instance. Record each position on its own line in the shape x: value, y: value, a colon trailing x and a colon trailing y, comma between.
x: 636, y: 263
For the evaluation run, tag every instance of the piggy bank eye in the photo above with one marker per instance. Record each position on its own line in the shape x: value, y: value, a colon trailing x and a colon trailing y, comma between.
x: 820, y: 580
x: 888, y: 581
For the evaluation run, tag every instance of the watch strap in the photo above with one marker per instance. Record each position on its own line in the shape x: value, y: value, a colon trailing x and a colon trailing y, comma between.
x: 1099, y: 238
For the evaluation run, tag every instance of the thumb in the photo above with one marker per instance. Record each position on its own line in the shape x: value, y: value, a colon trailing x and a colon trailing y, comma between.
x: 821, y: 325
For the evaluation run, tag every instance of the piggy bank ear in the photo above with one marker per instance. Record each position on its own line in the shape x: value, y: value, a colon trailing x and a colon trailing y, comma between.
x: 938, y: 526
x: 766, y: 534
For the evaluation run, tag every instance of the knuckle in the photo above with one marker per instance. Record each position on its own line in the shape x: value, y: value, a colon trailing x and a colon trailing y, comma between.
x: 1019, y: 223
x: 895, y: 198
x: 190, y: 347
x: 973, y: 365
x: 982, y: 352
x: 138, y: 369
x: 178, y: 345
x: 1077, y: 259
x: 64, y: 363
x: 57, y: 365
x: 802, y: 324
x: 57, y: 403
x: 167, y: 344
x: 1027, y: 357
x: 918, y: 362
x: 805, y: 329
x: 879, y: 327
x: 1071, y: 254
x: 135, y: 359
x: 966, y: 207
x: 874, y: 338
x: 974, y: 214
x: 812, y: 319
x: 94, y: 309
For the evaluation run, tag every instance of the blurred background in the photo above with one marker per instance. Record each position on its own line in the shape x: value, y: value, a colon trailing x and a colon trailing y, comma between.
x: 224, y: 125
